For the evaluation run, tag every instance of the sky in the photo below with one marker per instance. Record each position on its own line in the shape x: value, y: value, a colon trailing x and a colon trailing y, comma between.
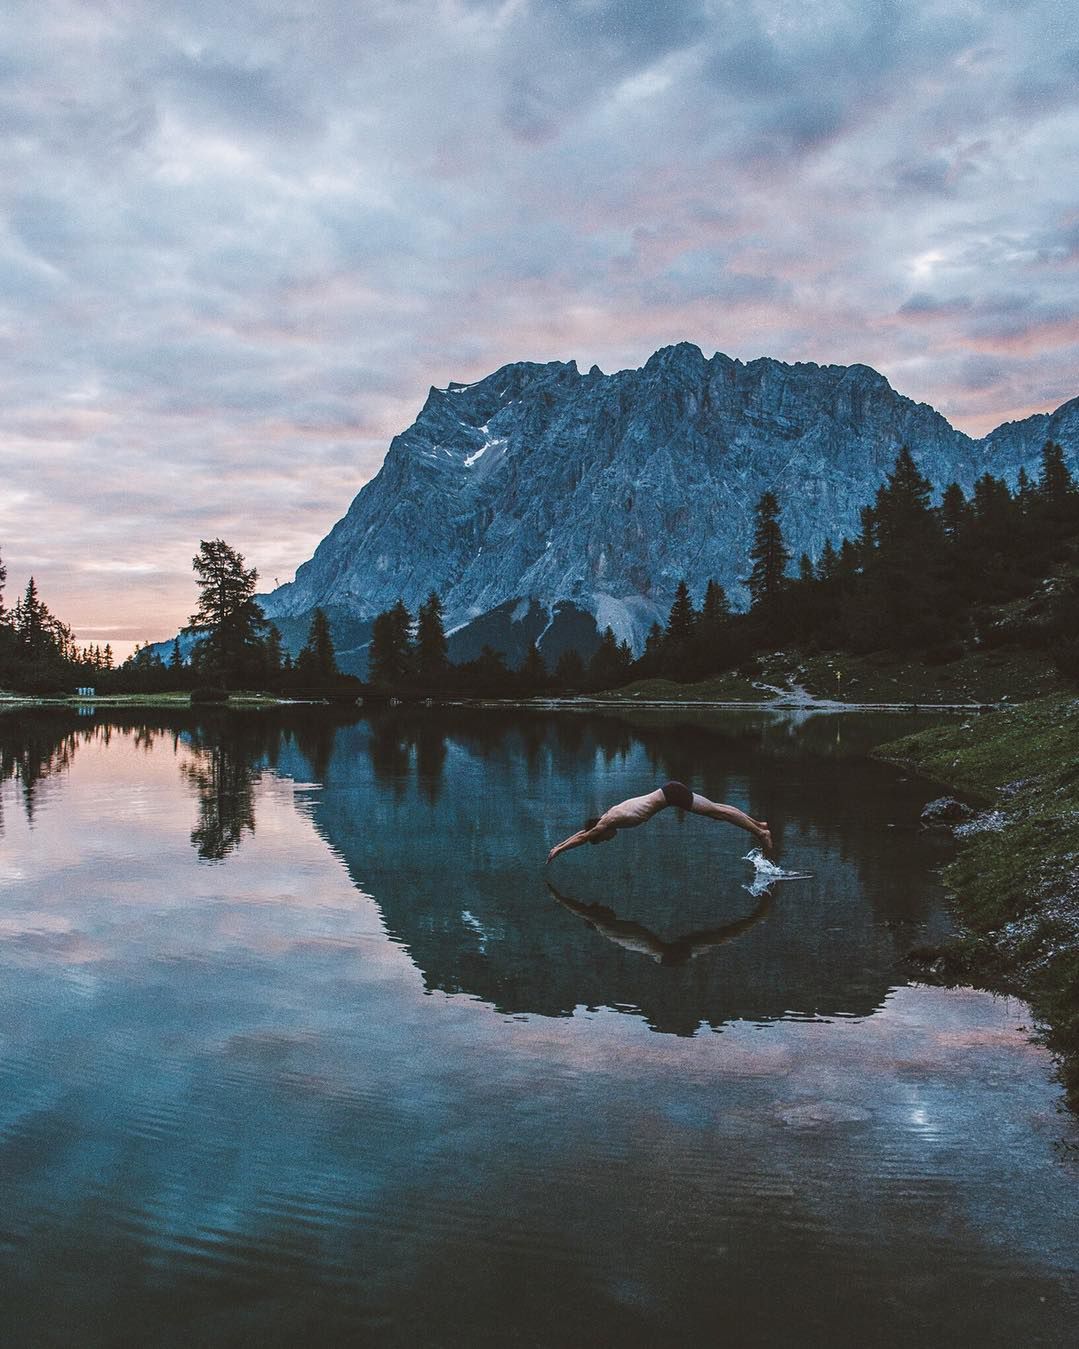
x: 238, y: 242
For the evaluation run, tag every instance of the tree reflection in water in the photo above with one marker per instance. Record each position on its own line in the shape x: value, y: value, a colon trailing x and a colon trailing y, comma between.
x: 224, y: 783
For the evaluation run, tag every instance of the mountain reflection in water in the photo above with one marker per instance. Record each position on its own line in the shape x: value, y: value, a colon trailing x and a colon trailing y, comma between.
x: 272, y: 1070
x: 444, y: 816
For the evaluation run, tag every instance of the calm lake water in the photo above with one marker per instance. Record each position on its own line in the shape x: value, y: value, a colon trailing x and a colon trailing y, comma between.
x: 297, y: 1045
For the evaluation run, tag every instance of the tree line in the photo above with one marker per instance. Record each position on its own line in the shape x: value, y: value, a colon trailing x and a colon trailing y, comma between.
x: 920, y: 580
x: 231, y: 644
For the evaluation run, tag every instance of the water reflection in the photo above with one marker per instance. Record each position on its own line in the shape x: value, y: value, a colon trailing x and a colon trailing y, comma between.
x: 632, y: 936
x: 444, y: 816
x: 272, y: 1101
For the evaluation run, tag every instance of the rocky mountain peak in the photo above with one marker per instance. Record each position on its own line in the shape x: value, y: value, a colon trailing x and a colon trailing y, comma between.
x: 537, y: 491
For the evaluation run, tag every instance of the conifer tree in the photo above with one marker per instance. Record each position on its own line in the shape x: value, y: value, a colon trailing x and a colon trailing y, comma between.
x: 570, y: 671
x: 533, y: 671
x: 954, y: 512
x: 275, y: 653
x: 176, y: 658
x: 227, y: 620
x: 716, y: 608
x: 769, y: 555
x: 828, y: 562
x: 318, y: 659
x: 609, y: 666
x: 682, y: 619
x: 432, y: 651
x: 390, y: 656
x: 1056, y: 486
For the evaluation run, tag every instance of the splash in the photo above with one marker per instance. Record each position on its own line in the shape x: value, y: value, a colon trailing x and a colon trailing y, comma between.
x: 767, y: 872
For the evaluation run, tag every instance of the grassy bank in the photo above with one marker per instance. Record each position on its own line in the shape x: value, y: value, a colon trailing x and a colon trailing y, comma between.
x: 1016, y: 879
x: 976, y: 677
x: 238, y: 699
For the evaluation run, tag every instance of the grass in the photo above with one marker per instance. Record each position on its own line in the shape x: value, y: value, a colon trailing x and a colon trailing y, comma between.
x: 977, y: 677
x: 242, y: 697
x: 725, y: 688
x: 980, y: 676
x: 1016, y: 887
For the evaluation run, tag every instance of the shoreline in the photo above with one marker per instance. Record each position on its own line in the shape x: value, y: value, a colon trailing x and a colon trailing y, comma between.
x: 1015, y: 879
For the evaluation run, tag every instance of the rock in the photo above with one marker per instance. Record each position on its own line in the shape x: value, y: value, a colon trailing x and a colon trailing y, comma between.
x: 604, y: 491
x: 944, y: 813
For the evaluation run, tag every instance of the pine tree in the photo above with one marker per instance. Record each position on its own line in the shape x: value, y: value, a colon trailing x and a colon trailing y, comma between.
x: 390, y: 656
x: 176, y: 657
x: 954, y: 512
x: 769, y: 555
x: 227, y: 620
x: 682, y: 620
x: 805, y: 569
x: 34, y: 626
x: 533, y: 671
x: 1056, y: 486
x: 609, y: 666
x: 432, y: 651
x: 906, y: 596
x: 828, y: 563
x: 318, y: 659
x: 107, y: 658
x: 570, y: 671
x: 1024, y: 490
x: 274, y: 648
x: 716, y: 608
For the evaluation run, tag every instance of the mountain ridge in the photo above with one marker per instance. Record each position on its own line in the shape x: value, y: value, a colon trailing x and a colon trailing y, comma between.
x: 538, y: 483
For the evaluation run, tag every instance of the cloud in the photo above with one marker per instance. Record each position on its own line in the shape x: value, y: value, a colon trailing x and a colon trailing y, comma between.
x: 237, y: 244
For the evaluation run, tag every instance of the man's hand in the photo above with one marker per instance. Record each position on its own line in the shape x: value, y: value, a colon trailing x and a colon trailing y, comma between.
x: 765, y: 835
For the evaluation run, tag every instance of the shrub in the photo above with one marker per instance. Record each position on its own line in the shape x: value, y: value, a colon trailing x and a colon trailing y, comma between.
x: 209, y: 694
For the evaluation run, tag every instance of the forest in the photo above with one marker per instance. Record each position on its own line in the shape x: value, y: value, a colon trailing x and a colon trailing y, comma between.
x: 923, y: 580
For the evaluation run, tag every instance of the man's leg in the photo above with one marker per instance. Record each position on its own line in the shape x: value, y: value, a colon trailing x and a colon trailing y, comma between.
x: 715, y: 810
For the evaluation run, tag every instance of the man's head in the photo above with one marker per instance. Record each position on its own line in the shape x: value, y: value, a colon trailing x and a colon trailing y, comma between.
x: 607, y: 834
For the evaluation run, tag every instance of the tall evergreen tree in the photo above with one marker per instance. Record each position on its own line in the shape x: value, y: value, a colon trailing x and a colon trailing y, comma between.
x: 317, y: 658
x: 716, y: 608
x: 1056, y: 486
x: 828, y: 562
x: 682, y: 619
x: 609, y: 666
x: 176, y: 658
x: 905, y: 593
x: 228, y: 621
x: 769, y: 555
x: 432, y: 650
x: 570, y: 672
x: 390, y: 656
x: 275, y: 653
x: 954, y: 512
x: 533, y: 672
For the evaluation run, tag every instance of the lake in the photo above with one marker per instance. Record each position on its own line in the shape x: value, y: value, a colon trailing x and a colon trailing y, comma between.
x: 300, y: 1043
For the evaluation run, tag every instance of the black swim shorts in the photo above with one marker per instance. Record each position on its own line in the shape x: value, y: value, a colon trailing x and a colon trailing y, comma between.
x: 678, y: 794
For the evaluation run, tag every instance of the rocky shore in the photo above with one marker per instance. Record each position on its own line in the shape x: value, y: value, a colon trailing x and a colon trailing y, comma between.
x: 1016, y: 875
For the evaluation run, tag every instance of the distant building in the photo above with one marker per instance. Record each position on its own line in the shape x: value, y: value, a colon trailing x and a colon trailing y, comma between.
x: 86, y: 693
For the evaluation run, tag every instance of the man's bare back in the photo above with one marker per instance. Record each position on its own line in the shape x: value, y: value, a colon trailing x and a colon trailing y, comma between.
x: 638, y: 810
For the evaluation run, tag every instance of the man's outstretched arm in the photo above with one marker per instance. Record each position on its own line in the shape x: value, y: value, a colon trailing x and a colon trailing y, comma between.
x: 574, y: 841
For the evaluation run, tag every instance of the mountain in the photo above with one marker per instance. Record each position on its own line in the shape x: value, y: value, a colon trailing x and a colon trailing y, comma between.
x: 543, y: 503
